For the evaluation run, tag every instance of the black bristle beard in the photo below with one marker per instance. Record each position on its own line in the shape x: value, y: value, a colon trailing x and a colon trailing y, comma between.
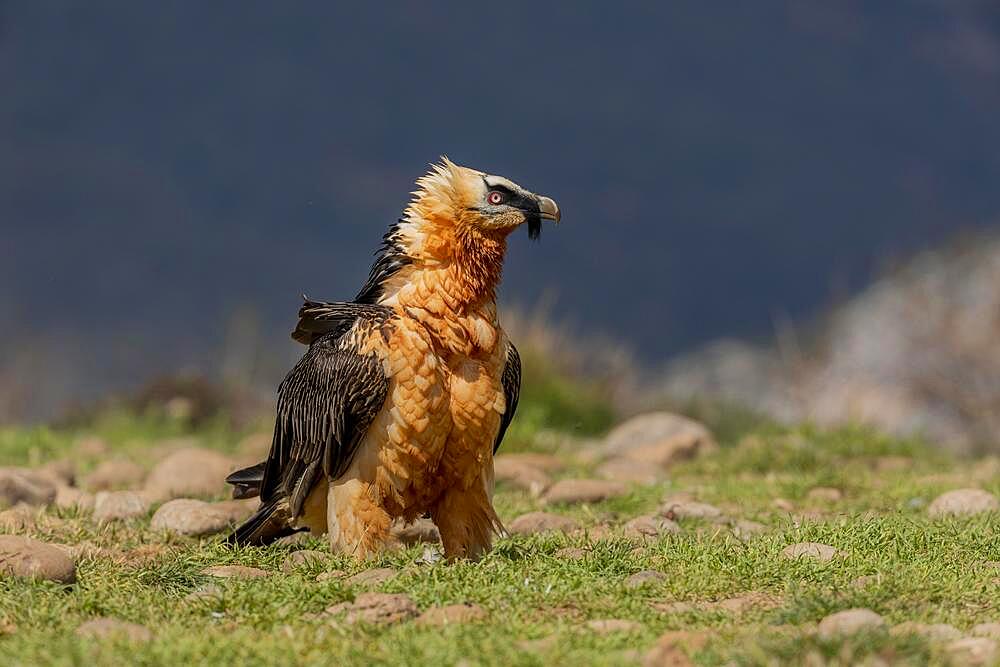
x: 534, y: 227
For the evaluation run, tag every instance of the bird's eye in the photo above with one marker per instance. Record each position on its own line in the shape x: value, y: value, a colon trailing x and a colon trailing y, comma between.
x: 495, y: 197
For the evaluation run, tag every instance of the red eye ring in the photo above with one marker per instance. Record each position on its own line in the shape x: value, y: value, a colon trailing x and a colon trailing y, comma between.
x: 495, y: 197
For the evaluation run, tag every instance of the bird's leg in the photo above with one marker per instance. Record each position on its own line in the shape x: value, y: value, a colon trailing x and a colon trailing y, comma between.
x: 466, y: 521
x: 358, y: 525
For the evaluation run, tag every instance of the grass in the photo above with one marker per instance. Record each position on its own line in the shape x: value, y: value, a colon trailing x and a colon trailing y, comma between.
x: 537, y: 600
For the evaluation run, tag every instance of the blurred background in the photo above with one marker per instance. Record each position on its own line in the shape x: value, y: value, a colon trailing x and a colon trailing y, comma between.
x: 786, y: 209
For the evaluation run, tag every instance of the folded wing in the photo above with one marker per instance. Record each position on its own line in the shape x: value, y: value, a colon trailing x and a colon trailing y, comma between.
x: 325, y: 405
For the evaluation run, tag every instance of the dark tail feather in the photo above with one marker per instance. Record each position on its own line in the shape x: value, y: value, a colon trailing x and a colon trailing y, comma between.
x: 247, y: 482
x: 269, y: 523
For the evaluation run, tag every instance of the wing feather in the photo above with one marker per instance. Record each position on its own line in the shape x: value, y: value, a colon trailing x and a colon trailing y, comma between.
x: 511, y: 381
x: 326, y: 402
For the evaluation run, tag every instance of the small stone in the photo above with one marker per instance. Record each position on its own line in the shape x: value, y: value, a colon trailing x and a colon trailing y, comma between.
x: 644, y: 578
x: 60, y: 473
x: 235, y: 572
x: 119, y: 506
x: 631, y: 471
x: 540, y: 522
x: 297, y: 539
x: 190, y: 517
x: 649, y: 527
x: 544, y: 462
x: 331, y: 575
x: 746, y: 530
x: 825, y: 494
x: 23, y: 485
x: 659, y: 438
x: 419, y: 532
x: 593, y: 534
x: 306, y: 559
x: 237, y: 511
x: 68, y: 497
x: 991, y: 630
x: 373, y: 577
x: 191, y: 471
x: 114, y: 474
x: 571, y: 553
x: 973, y: 651
x: 521, y: 475
x: 31, y: 559
x: 690, y: 509
x: 933, y: 631
x: 811, y: 550
x: 583, y: 491
x: 16, y: 520
x: 101, y: 628
x: 452, y: 614
x: 376, y: 608
x: 963, y: 502
x: 849, y: 622
x: 613, y: 625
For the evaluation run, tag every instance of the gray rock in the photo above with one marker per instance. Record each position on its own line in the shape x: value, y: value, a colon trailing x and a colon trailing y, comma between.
x: 30, y: 559
x: 114, y: 474
x: 376, y: 609
x: 69, y: 497
x: 100, y: 628
x: 190, y: 517
x: 23, y: 485
x: 583, y: 491
x: 811, y: 550
x: 308, y: 559
x: 644, y: 578
x: 659, y: 438
x: 849, y: 622
x: 650, y: 527
x: 17, y: 520
x: 540, y: 522
x: 690, y: 509
x: 235, y: 572
x: 373, y: 577
x: 973, y: 651
x: 521, y: 475
x: 189, y: 472
x: 963, y: 502
x: 119, y: 506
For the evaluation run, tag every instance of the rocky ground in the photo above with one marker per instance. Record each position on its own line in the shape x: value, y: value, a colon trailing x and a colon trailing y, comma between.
x: 654, y: 546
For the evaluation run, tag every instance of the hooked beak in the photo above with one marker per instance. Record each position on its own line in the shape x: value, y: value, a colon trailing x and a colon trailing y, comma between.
x: 548, y: 209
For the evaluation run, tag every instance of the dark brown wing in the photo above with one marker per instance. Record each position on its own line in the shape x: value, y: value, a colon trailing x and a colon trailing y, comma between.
x: 511, y: 381
x: 325, y: 405
x: 319, y: 318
